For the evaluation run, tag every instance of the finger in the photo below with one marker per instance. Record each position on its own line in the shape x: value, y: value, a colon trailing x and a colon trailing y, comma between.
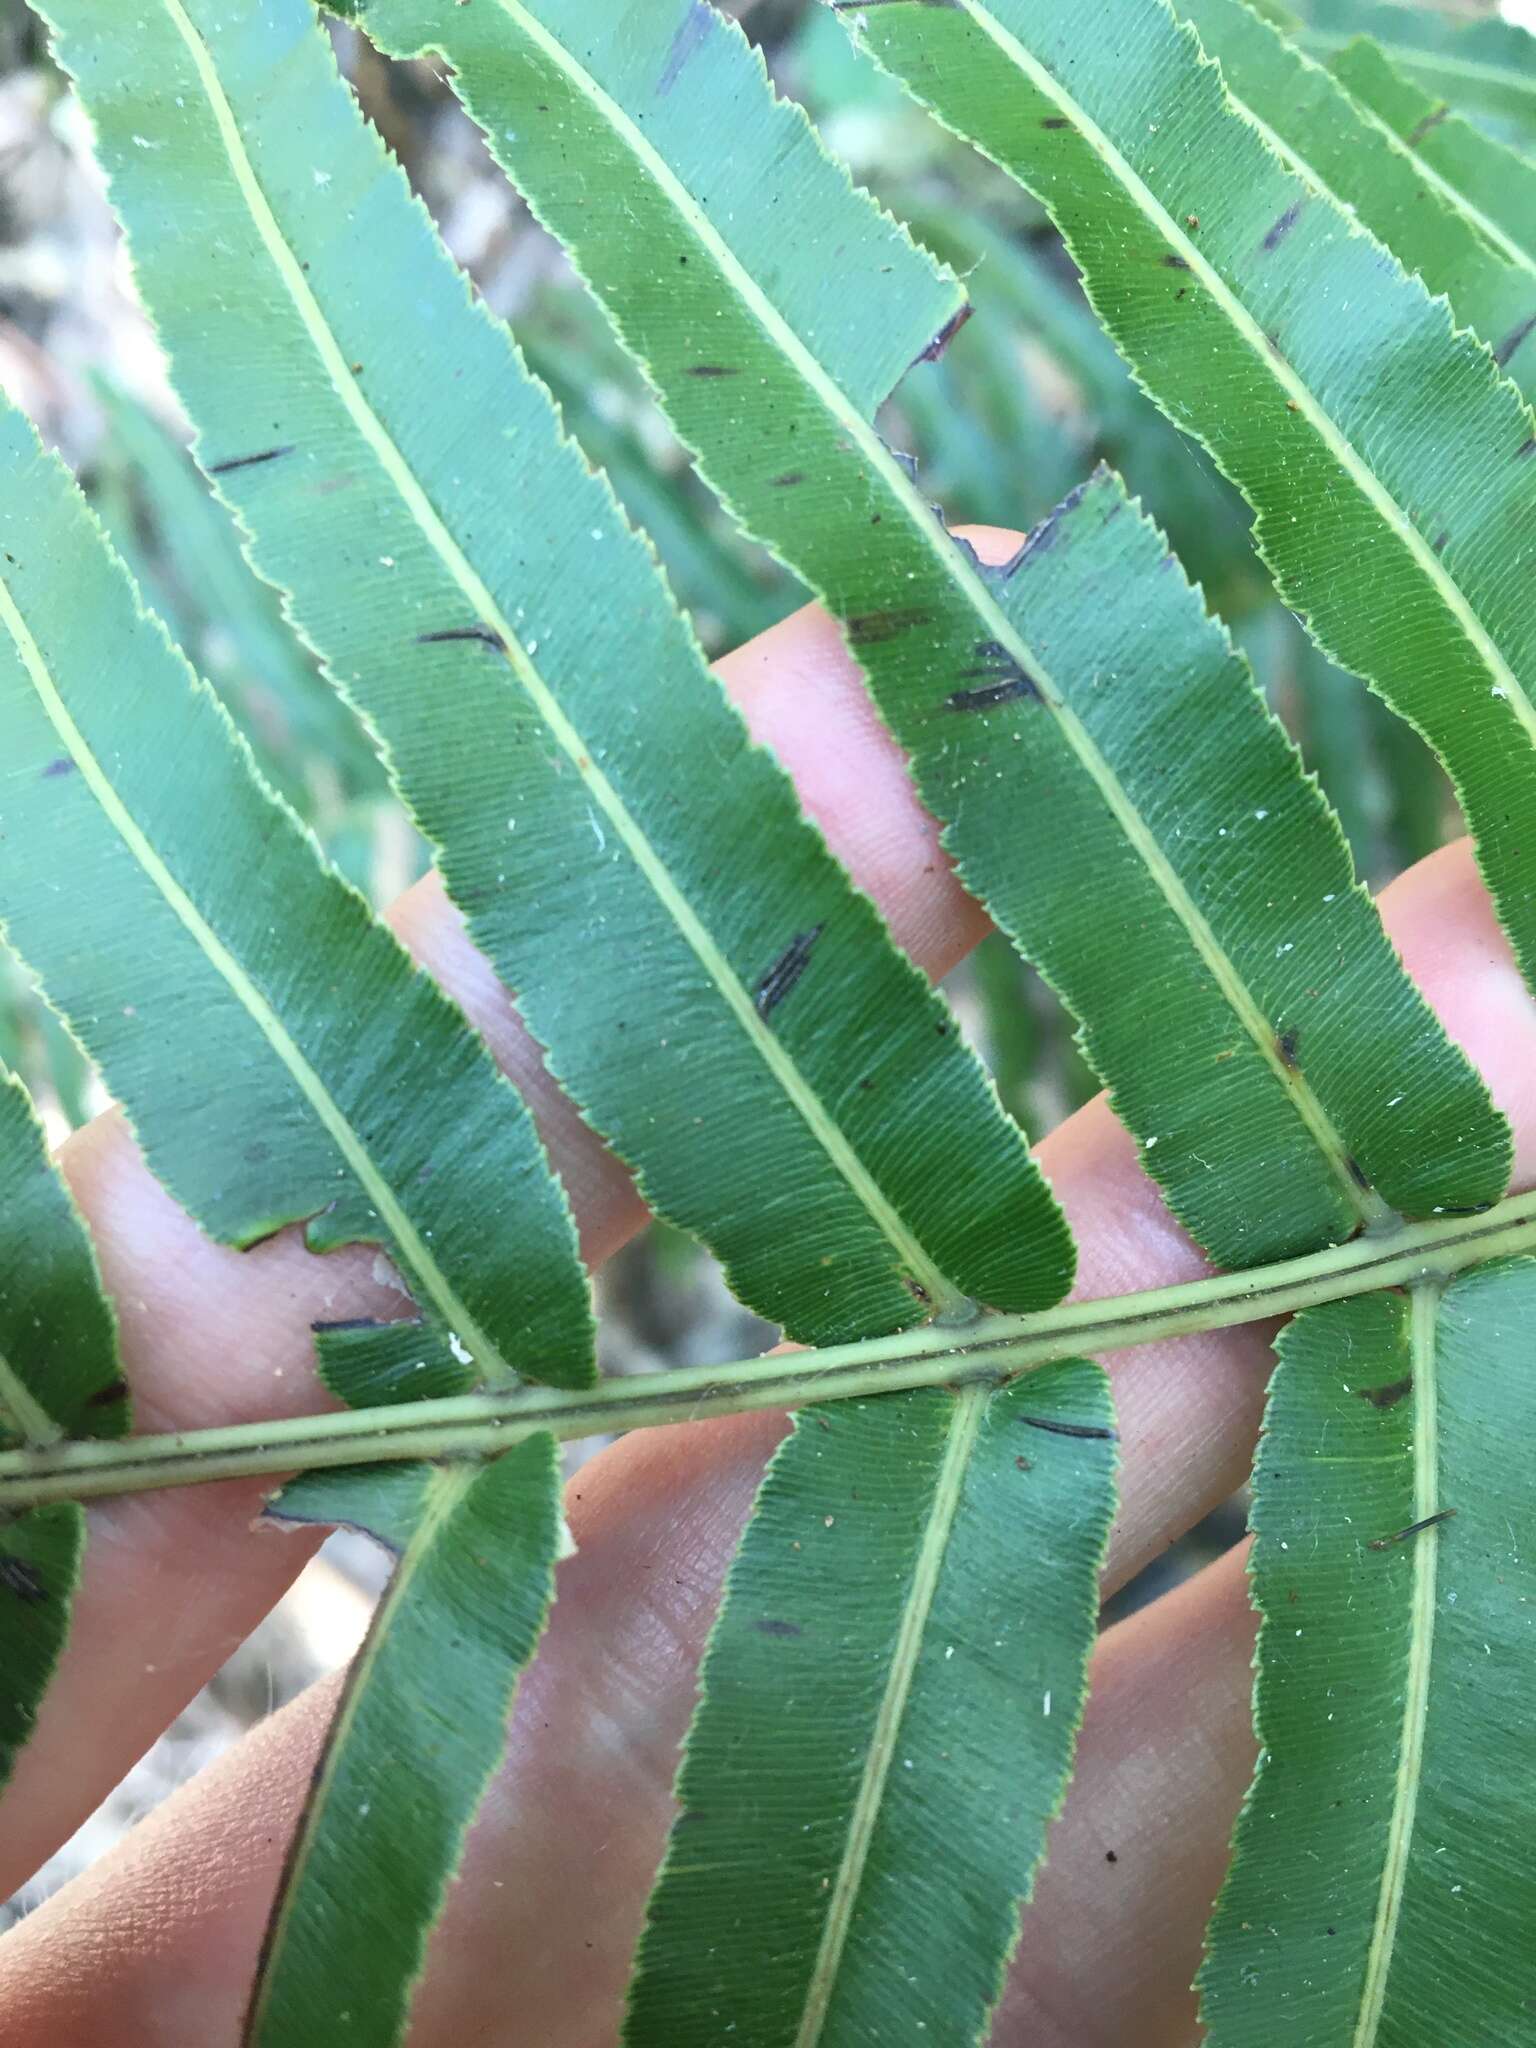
x: 173, y: 1583
x: 160, y: 1941
x: 210, y: 1334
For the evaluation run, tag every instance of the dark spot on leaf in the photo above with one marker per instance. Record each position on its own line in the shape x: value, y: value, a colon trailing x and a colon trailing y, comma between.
x: 1285, y: 1046
x: 711, y: 370
x: 111, y: 1396
x: 1010, y: 684
x: 63, y: 766
x: 1527, y: 447
x: 946, y: 334
x: 1357, y: 1172
x: 786, y: 970
x: 789, y: 479
x: 483, y: 634
x: 1025, y: 1464
x: 1506, y: 348
x: 257, y: 1153
x: 23, y: 1581
x: 1429, y: 121
x: 349, y: 1323
x: 916, y: 1287
x: 1440, y: 541
x: 1055, y: 121
x: 872, y: 629
x: 1172, y: 262
x: 1413, y: 1529
x: 778, y: 1628
x: 1387, y: 1397
x: 1047, y: 533
x: 1284, y: 224
x: 691, y: 33
x: 1088, y: 1430
x: 248, y: 461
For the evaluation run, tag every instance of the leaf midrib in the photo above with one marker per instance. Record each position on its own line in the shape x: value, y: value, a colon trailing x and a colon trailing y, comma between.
x: 1307, y: 404
x: 409, y: 1241
x: 813, y: 1112
x: 949, y: 1486
x: 1453, y: 195
x: 975, y: 592
x: 1424, y: 1315
x: 1419, y: 165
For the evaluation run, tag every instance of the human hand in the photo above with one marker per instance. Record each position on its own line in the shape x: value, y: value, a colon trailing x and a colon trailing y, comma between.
x: 158, y: 1944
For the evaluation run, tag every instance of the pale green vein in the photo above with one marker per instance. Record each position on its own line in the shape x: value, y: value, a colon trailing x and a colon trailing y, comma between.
x: 408, y: 1239
x: 31, y: 1418
x: 964, y: 1428
x: 974, y: 590
x: 1506, y: 683
x: 1453, y: 195
x: 1422, y: 169
x: 788, y: 1077
x: 1425, y: 1314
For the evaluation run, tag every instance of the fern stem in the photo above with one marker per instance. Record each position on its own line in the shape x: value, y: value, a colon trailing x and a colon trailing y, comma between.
x: 990, y: 1349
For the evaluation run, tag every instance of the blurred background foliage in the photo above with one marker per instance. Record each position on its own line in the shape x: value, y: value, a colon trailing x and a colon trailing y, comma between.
x: 1026, y: 399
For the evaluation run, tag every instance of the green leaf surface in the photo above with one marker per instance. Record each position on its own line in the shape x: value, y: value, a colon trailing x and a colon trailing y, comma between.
x: 1342, y: 148
x: 418, y: 1731
x: 58, y: 1336
x: 59, y: 1376
x: 1382, y: 1890
x: 380, y: 1365
x: 40, y: 1555
x: 1487, y: 66
x: 890, y: 1706
x: 279, y: 1055
x: 445, y: 547
x: 1392, y: 469
x: 1495, y: 187
x: 1018, y: 692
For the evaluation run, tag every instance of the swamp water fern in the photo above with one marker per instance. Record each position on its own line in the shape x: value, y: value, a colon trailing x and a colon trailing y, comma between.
x: 1321, y: 278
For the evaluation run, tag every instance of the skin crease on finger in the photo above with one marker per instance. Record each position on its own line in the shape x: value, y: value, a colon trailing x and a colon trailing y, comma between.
x: 210, y: 1335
